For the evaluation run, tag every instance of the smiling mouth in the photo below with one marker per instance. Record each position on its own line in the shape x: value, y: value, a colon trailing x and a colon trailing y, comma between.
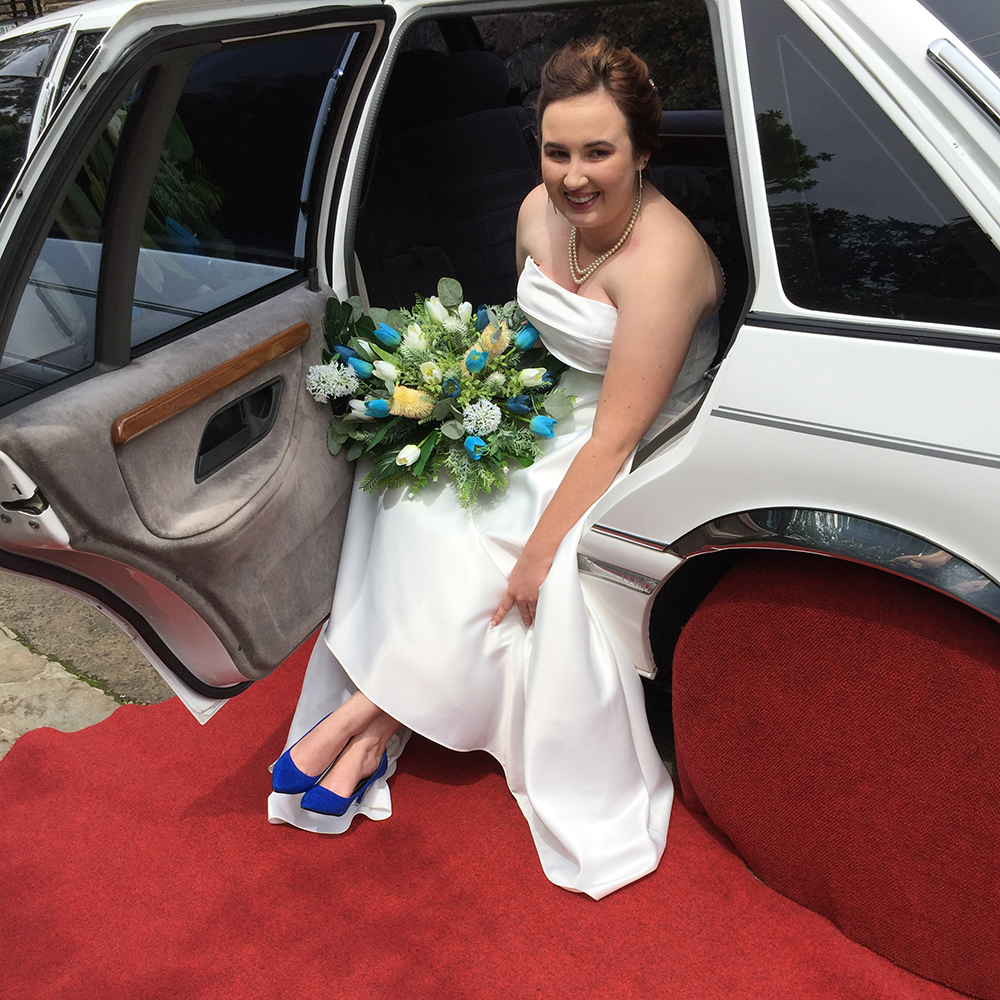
x: 582, y: 201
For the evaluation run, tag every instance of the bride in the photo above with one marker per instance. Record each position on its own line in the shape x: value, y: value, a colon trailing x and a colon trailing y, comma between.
x: 473, y: 629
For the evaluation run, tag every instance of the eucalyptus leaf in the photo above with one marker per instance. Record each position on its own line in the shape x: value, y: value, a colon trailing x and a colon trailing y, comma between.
x: 443, y: 409
x: 557, y: 404
x: 332, y: 444
x: 449, y: 292
x: 396, y: 320
x: 357, y: 308
x: 378, y: 315
x: 453, y: 429
x: 355, y: 450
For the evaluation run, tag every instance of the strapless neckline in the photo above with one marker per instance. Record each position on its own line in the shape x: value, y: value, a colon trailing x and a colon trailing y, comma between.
x: 576, y: 296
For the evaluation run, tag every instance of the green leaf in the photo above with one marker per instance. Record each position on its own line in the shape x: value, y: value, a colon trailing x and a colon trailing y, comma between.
x: 426, y: 450
x: 558, y: 404
x: 355, y: 450
x: 378, y: 315
x: 363, y: 348
x: 443, y: 409
x: 449, y: 292
x: 453, y: 429
x: 383, y: 354
x: 364, y: 327
x: 381, y: 432
x: 397, y: 320
x: 357, y: 308
x: 332, y: 444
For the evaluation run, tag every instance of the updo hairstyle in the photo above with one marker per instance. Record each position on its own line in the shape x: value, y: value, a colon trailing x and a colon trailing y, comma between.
x: 585, y: 67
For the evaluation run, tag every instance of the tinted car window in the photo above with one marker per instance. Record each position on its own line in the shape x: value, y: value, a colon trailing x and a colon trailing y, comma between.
x: 227, y: 211
x: 53, y: 332
x: 976, y: 22
x: 83, y: 45
x: 861, y: 223
x: 24, y: 61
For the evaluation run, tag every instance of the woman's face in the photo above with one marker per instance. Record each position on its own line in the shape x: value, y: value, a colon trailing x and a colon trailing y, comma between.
x: 588, y: 165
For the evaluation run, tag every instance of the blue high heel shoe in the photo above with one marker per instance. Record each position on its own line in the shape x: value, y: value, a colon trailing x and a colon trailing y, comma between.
x: 287, y: 778
x: 321, y: 800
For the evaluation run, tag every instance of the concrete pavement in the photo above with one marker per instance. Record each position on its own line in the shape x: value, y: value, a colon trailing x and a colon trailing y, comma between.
x: 62, y: 664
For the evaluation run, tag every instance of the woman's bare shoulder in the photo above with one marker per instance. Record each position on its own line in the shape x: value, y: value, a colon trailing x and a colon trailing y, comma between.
x: 531, y: 232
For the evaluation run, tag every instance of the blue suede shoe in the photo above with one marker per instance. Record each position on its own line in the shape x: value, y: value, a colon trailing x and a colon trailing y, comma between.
x: 321, y: 800
x: 286, y: 777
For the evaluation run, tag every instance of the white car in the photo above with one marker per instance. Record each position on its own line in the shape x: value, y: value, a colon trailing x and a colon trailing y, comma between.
x: 183, y: 183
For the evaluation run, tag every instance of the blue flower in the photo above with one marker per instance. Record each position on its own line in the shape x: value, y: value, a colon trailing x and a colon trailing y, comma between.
x: 476, y: 446
x: 549, y: 378
x: 345, y: 352
x: 377, y: 407
x: 362, y: 367
x: 387, y: 335
x: 475, y: 361
x: 520, y: 405
x: 482, y: 319
x: 542, y: 426
x: 526, y: 338
x: 451, y: 387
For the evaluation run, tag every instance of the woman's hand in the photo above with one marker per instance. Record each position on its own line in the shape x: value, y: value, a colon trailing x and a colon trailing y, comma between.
x: 526, y: 577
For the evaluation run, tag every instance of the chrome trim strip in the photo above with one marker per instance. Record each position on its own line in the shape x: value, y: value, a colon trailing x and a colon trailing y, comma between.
x: 979, y: 84
x: 616, y: 574
x: 860, y: 437
x: 624, y: 536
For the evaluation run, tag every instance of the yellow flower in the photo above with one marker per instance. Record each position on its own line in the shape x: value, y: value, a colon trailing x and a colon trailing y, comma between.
x: 410, y: 403
x: 494, y: 342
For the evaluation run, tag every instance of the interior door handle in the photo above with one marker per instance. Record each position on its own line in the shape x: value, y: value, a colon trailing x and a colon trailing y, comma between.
x: 239, y: 425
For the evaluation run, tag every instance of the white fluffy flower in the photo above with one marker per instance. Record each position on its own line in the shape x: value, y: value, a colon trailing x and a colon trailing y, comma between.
x: 481, y: 418
x: 496, y: 381
x: 386, y: 370
x: 415, y: 339
x: 408, y: 454
x: 332, y: 380
x: 436, y: 309
x: 453, y: 324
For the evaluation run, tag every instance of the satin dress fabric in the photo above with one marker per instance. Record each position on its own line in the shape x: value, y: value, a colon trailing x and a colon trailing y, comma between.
x: 558, y: 703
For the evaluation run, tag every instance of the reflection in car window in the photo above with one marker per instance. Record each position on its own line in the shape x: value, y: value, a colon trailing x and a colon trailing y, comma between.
x: 24, y: 62
x: 84, y: 43
x: 54, y: 329
x: 976, y: 22
x: 226, y: 213
x: 861, y: 222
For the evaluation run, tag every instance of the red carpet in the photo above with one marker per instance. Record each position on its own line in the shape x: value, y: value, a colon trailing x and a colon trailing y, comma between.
x: 136, y: 861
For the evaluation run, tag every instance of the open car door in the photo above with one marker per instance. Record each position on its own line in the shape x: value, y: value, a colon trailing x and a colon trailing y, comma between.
x: 158, y: 453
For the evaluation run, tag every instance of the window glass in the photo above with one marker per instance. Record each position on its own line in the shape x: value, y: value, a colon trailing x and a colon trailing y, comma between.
x: 976, y: 22
x: 227, y: 211
x: 861, y: 223
x: 83, y: 45
x: 24, y: 62
x: 53, y: 332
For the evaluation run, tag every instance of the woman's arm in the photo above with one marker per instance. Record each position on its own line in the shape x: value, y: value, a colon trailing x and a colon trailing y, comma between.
x: 659, y: 307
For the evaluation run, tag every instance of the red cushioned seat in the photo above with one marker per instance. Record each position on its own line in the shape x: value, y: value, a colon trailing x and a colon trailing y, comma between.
x: 841, y: 726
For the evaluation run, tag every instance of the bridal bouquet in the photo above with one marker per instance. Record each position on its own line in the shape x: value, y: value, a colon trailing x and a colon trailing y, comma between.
x: 437, y: 389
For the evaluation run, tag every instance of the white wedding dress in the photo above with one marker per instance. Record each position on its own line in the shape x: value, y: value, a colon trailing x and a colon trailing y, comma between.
x: 558, y: 704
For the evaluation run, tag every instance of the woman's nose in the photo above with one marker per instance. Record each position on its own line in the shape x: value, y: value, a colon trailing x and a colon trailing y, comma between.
x: 576, y: 178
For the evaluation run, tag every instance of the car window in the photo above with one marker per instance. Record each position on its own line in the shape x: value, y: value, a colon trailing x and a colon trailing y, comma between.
x: 976, y: 22
x: 53, y: 332
x: 83, y: 45
x: 24, y: 62
x: 227, y: 212
x: 861, y: 222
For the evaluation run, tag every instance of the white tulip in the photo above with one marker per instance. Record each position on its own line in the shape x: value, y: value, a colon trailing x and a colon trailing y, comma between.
x: 388, y: 372
x: 436, y: 309
x: 414, y: 338
x: 357, y: 407
x: 431, y: 373
x: 408, y: 454
x: 365, y: 350
x: 465, y: 312
x: 532, y: 376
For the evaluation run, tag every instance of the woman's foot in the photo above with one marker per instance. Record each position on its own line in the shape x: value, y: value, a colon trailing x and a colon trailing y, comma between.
x: 361, y: 757
x: 316, y: 750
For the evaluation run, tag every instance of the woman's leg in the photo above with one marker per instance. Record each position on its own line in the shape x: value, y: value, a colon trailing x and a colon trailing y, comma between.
x: 361, y: 757
x: 314, y: 752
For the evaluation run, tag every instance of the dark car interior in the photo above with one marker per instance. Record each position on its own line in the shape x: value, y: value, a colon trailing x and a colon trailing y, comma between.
x: 454, y: 153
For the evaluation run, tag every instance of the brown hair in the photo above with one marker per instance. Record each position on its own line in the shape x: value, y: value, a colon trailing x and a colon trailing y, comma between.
x: 584, y: 67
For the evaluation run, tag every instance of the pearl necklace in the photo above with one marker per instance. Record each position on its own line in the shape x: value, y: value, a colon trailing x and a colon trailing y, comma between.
x: 580, y: 275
